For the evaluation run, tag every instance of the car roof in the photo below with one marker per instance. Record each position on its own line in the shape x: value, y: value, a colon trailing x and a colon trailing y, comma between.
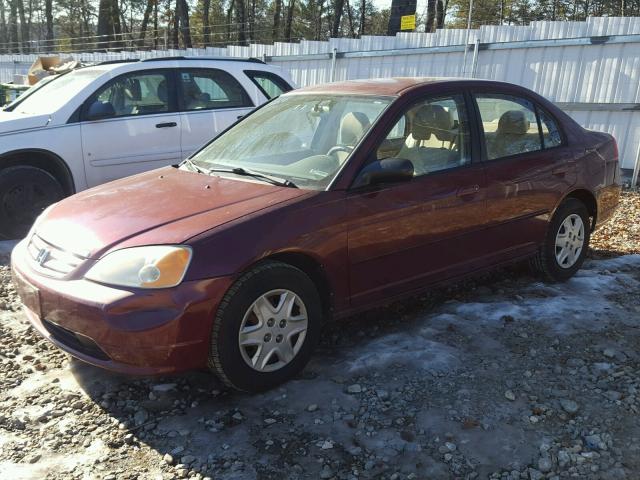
x: 382, y: 86
x: 109, y: 65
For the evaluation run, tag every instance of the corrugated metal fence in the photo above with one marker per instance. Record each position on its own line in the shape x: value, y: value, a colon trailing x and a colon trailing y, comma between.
x: 592, y: 68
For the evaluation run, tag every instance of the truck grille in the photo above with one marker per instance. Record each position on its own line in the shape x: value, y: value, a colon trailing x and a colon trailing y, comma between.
x: 51, y: 260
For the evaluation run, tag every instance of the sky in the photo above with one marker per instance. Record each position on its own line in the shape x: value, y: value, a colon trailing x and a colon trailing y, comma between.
x: 380, y: 4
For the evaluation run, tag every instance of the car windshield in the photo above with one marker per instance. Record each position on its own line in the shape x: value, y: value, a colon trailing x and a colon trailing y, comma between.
x: 302, y: 138
x: 58, y: 92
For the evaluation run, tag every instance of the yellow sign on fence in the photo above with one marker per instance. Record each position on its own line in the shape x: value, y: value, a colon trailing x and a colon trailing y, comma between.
x: 408, y: 22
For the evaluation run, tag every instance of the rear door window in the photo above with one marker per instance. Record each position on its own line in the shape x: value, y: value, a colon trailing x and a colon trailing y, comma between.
x: 207, y: 89
x: 270, y: 84
x: 510, y: 125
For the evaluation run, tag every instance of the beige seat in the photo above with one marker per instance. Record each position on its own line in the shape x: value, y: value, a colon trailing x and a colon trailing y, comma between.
x: 352, y: 128
x: 430, y: 120
x: 512, y: 136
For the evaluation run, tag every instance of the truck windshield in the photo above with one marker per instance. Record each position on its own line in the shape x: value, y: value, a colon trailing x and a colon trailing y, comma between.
x: 58, y: 92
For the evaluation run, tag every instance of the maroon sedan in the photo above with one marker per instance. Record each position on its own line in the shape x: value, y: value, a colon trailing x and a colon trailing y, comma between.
x: 324, y: 202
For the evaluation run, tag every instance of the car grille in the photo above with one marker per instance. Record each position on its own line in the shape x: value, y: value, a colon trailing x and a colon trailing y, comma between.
x: 75, y: 341
x: 51, y: 260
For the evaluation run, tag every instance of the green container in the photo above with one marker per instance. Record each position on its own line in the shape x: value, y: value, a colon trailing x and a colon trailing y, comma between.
x: 9, y: 92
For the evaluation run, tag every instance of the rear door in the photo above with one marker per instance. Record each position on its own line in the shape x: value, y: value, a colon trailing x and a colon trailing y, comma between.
x: 142, y: 133
x: 210, y: 100
x: 405, y: 235
x: 528, y: 168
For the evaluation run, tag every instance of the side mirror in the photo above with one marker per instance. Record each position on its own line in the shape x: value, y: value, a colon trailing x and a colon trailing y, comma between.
x: 388, y: 170
x: 99, y: 110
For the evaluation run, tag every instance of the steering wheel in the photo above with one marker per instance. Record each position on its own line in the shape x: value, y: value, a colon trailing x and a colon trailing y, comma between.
x: 340, y: 148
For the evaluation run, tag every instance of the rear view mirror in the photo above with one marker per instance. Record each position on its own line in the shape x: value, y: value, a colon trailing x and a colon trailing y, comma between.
x: 99, y: 110
x: 389, y: 170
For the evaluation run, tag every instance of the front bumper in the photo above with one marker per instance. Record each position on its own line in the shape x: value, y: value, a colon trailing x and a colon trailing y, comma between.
x: 134, y: 331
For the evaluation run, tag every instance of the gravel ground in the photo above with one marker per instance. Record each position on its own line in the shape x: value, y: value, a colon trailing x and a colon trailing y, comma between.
x: 501, y: 376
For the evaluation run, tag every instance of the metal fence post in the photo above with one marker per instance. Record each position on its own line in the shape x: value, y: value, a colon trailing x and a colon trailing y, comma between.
x: 636, y: 171
x: 334, y: 55
x: 466, y: 42
x: 474, y: 63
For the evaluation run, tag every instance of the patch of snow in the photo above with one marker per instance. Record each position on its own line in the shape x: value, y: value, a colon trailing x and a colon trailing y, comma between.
x: 579, y: 304
x: 412, y: 349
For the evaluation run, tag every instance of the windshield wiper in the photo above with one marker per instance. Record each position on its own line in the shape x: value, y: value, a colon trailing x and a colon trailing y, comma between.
x: 281, y: 182
x: 195, y: 167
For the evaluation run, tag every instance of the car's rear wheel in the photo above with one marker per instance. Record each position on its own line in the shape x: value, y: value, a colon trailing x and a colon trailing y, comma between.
x: 566, y: 242
x: 25, y: 191
x: 266, y: 327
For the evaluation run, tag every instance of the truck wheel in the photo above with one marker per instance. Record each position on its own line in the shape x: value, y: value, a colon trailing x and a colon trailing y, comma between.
x: 25, y: 192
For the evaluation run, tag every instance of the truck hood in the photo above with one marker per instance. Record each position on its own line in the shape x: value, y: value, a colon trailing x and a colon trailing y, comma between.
x: 164, y: 206
x: 15, y: 122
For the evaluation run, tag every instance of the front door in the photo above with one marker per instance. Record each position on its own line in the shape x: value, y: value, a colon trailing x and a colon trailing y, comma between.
x: 405, y: 235
x: 139, y: 129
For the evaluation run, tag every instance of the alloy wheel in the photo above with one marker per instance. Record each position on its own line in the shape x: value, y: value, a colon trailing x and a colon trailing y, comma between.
x: 273, y: 330
x: 569, y: 241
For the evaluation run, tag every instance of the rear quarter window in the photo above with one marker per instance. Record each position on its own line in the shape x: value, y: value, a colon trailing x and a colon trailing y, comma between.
x: 270, y: 84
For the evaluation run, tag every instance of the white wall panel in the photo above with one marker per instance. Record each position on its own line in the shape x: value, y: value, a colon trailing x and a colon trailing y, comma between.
x: 600, y: 73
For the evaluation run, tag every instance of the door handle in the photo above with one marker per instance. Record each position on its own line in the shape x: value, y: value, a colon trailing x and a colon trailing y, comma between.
x: 239, y: 117
x: 166, y: 125
x: 464, y: 192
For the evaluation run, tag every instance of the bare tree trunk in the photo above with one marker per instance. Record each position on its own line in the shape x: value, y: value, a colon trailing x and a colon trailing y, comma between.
x: 175, y: 38
x: 320, y: 11
x: 229, y: 18
x: 363, y: 17
x: 242, y: 21
x: 287, y: 27
x: 155, y: 24
x: 339, y: 6
x: 24, y: 27
x: 252, y: 20
x: 276, y: 19
x: 4, y: 38
x: 14, y: 41
x: 440, y: 13
x: 48, y: 13
x: 109, y: 24
x: 350, y: 19
x: 145, y: 22
x: 182, y: 12
x: 206, y: 23
x: 431, y: 16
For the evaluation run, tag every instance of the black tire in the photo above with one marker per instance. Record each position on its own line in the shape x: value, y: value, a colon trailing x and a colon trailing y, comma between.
x: 225, y: 357
x: 545, y: 262
x: 25, y: 192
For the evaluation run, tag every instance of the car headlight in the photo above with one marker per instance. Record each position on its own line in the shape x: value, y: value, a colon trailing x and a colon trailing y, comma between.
x: 154, y: 266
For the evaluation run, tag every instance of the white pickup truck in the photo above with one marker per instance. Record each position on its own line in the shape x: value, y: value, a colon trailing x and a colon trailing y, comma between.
x: 115, y: 119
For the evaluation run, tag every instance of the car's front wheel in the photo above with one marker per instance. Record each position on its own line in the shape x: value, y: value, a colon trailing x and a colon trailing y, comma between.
x: 266, y: 327
x: 25, y: 191
x: 566, y: 243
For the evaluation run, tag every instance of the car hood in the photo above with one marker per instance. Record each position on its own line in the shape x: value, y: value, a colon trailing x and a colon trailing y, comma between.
x: 14, y: 122
x: 165, y: 206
